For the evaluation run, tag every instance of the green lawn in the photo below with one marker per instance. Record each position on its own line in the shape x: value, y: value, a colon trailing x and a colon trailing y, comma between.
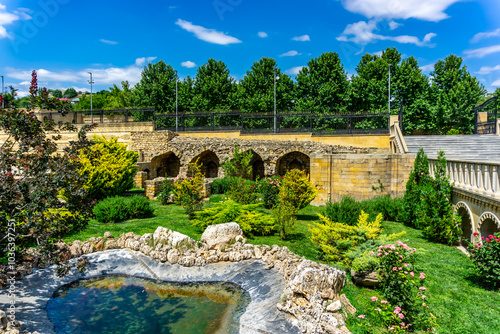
x: 459, y: 302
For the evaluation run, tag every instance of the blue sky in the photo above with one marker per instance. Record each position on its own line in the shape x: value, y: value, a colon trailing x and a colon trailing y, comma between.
x: 65, y: 39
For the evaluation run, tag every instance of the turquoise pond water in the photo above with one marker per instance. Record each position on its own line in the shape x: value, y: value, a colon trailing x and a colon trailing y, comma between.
x: 120, y: 304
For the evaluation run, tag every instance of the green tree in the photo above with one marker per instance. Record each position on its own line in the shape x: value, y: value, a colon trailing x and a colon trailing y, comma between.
x: 213, y: 87
x: 70, y: 93
x: 454, y: 94
x: 109, y: 168
x: 418, y: 180
x: 157, y: 87
x: 369, y: 87
x: 186, y: 94
x: 322, y: 86
x: 120, y: 98
x: 34, y: 174
x: 256, y: 89
x: 57, y: 93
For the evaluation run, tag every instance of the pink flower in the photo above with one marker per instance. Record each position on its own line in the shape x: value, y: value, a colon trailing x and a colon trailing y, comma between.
x: 400, y: 268
x: 379, y: 254
x: 395, y: 268
x: 378, y: 309
x: 384, y: 302
x: 362, y: 316
x: 412, y: 273
x: 422, y: 275
x: 371, y: 253
x: 374, y: 298
x: 407, y: 264
x: 406, y: 273
x: 422, y: 288
x: 397, y: 309
x: 401, y: 316
x: 423, y: 296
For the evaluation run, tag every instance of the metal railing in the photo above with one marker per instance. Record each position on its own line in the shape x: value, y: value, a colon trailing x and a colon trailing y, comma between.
x: 488, y: 124
x: 358, y: 123
x: 474, y: 176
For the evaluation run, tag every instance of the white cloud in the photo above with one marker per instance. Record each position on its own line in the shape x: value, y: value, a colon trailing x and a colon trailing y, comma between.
x: 378, y: 53
x: 360, y: 51
x: 188, y: 64
x: 488, y: 70
x: 363, y: 33
x: 427, y: 10
x: 101, y: 76
x: 394, y: 25
x: 142, y: 61
x: 7, y: 18
x: 496, y: 83
x: 106, y: 41
x: 481, y: 52
x: 207, y: 35
x: 262, y: 34
x: 479, y: 36
x: 294, y: 70
x: 303, y: 38
x: 427, y: 68
x: 290, y: 53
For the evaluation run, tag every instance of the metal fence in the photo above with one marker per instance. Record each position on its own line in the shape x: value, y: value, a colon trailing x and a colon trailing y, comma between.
x: 486, y: 122
x: 360, y: 123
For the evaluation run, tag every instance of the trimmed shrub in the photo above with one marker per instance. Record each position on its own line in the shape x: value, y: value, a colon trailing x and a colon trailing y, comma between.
x: 115, y: 209
x: 188, y: 191
x: 250, y: 221
x: 243, y: 191
x: 269, y: 189
x: 109, y: 167
x: 297, y: 190
x: 221, y: 185
x: 486, y: 259
x: 419, y: 177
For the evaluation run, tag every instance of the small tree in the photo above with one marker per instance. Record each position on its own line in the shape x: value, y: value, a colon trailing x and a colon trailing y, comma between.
x: 296, y: 190
x: 33, y: 174
x: 70, y: 93
x: 109, y: 167
x: 57, y: 93
x: 284, y: 217
x: 418, y: 180
x: 239, y: 170
x: 188, y: 191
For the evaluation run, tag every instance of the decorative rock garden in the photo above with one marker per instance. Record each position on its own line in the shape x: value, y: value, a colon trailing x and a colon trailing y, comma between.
x: 308, y: 293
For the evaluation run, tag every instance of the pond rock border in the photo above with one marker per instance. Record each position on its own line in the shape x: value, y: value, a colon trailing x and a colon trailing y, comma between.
x: 308, y: 292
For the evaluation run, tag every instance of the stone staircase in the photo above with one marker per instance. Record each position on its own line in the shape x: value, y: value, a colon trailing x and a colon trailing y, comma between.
x: 464, y: 148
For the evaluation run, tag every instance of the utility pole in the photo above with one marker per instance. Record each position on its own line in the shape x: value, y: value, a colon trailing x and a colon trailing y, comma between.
x: 91, y: 82
x: 176, y: 105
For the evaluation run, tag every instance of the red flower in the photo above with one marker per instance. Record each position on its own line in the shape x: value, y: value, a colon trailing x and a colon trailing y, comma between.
x: 475, y: 234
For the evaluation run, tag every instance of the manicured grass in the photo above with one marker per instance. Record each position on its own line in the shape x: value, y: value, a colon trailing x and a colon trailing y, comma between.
x: 460, y: 304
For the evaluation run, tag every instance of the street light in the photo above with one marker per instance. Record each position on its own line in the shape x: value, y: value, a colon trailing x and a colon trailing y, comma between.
x: 176, y: 105
x: 389, y: 89
x: 3, y: 92
x: 91, y: 82
x: 275, y: 114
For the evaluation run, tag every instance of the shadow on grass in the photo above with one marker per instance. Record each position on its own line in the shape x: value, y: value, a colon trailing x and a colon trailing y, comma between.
x: 306, y: 217
x: 296, y: 237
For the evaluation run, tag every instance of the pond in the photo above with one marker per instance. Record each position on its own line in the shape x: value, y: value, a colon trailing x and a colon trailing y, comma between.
x: 123, y: 304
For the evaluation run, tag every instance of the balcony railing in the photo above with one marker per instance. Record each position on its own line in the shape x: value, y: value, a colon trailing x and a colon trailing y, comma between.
x: 474, y: 176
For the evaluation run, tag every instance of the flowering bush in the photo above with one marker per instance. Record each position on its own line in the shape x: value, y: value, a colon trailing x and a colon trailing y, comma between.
x: 486, y: 258
x: 167, y: 189
x: 269, y: 188
x: 188, y: 190
x: 403, y: 287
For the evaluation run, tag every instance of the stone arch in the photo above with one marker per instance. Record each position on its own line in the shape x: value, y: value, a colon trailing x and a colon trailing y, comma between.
x: 488, y: 224
x: 148, y: 173
x: 463, y: 210
x: 209, y: 163
x: 257, y: 166
x: 293, y: 160
x: 165, y: 165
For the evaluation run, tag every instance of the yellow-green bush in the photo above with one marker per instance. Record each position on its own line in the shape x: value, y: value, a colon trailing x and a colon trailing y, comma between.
x: 297, y: 190
x: 336, y: 240
x: 109, y: 167
x: 188, y: 191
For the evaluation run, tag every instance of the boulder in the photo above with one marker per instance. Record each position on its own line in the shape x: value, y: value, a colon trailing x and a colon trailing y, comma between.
x: 165, y: 236
x: 310, y: 277
x: 108, y: 235
x: 220, y: 236
x: 365, y: 278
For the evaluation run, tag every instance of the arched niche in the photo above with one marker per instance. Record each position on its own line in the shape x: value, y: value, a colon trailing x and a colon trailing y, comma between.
x: 467, y: 224
x: 488, y: 224
x: 209, y: 164
x: 166, y: 165
x: 293, y: 160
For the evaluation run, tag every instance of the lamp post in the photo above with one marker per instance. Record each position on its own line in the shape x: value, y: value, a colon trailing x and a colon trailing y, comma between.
x: 275, y: 114
x: 389, y: 98
x: 3, y: 93
x: 91, y: 82
x: 176, y: 105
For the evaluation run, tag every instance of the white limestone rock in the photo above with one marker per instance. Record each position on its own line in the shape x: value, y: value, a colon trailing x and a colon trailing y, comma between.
x: 165, y: 236
x: 220, y: 236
